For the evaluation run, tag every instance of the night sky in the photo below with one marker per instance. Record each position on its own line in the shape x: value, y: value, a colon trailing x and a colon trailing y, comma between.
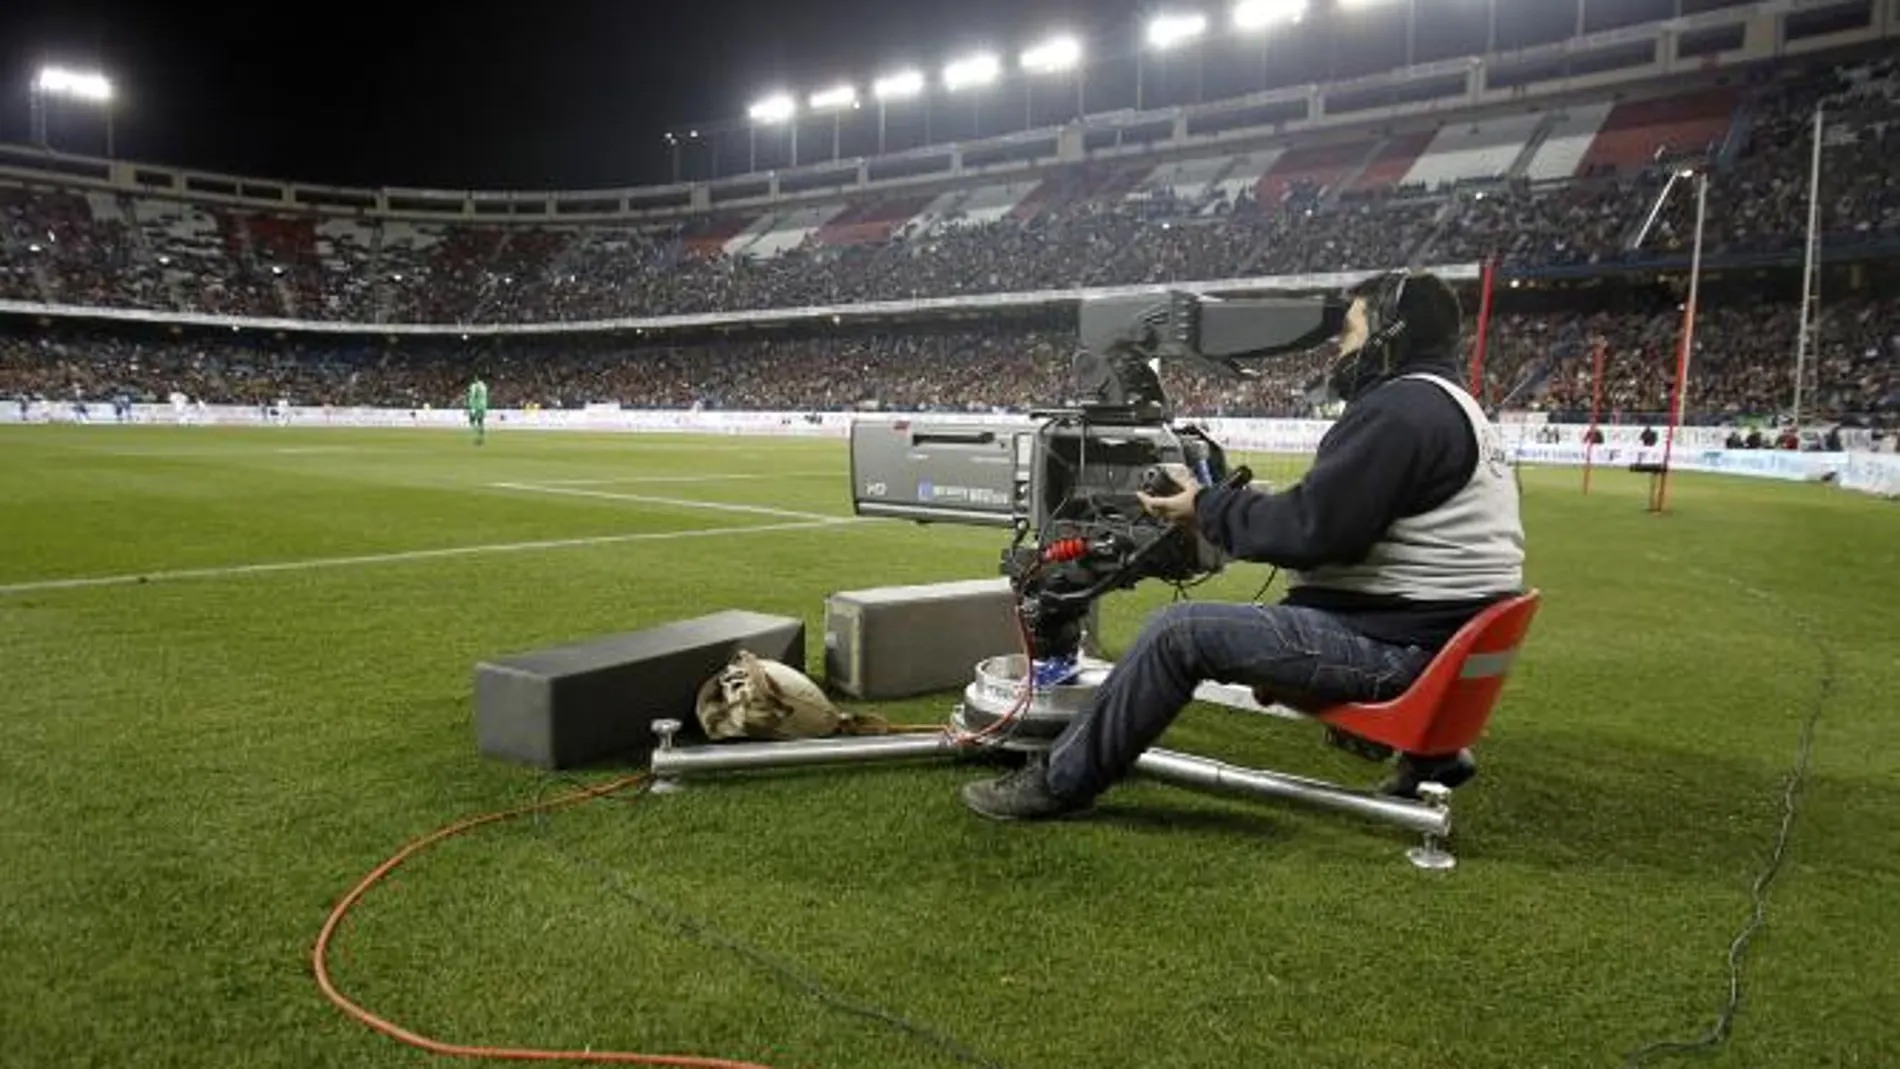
x: 578, y: 93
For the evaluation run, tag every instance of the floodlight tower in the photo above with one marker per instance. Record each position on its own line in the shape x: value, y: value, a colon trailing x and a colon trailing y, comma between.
x: 837, y: 100
x: 976, y: 71
x: 1261, y: 17
x: 55, y: 83
x: 1057, y: 55
x: 771, y: 111
x: 1165, y: 34
x: 674, y: 140
x: 903, y: 85
x: 1411, y: 23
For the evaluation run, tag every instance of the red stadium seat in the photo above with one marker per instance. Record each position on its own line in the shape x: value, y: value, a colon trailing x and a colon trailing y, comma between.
x: 1446, y: 708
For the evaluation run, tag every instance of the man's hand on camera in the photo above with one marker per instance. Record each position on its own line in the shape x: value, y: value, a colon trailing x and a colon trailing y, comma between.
x: 1175, y: 508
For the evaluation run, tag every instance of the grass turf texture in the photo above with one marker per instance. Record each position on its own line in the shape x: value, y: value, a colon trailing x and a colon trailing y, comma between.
x: 194, y: 770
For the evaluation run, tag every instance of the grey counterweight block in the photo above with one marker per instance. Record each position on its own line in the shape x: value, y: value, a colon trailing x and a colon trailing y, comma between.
x: 579, y: 703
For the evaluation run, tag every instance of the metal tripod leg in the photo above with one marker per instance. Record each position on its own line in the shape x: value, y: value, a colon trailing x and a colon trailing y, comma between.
x: 670, y: 762
x: 1431, y: 817
x: 1432, y: 853
x: 1186, y: 770
x: 664, y: 783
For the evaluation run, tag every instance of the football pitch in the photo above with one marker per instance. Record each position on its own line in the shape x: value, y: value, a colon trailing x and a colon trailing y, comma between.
x: 237, y: 676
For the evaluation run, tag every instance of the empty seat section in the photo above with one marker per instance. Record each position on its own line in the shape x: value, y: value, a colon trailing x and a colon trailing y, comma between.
x: 791, y: 230
x: 1187, y: 181
x: 1315, y: 167
x: 1465, y: 151
x: 709, y: 235
x: 1572, y: 131
x: 990, y: 203
x: 1636, y: 130
x: 871, y: 221
x: 1244, y: 176
x: 1106, y: 184
x: 1394, y: 161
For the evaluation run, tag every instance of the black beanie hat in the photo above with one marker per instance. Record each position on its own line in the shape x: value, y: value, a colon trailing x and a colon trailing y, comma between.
x: 1433, y: 318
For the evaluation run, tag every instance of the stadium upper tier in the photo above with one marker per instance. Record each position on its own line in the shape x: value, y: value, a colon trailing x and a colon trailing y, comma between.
x: 1544, y: 186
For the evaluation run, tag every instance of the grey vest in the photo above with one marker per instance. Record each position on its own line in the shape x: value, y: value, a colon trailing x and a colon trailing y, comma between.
x: 1469, y: 547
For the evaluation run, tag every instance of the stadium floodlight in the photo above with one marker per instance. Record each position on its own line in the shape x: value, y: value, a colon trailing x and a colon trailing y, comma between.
x: 55, y: 83
x: 900, y: 86
x: 774, y: 109
x: 1053, y: 56
x: 837, y: 98
x: 89, y: 86
x: 1264, y: 14
x: 779, y: 109
x: 1172, y: 31
x: 980, y: 69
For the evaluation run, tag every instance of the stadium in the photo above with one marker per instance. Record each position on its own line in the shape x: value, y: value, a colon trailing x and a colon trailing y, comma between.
x: 260, y: 554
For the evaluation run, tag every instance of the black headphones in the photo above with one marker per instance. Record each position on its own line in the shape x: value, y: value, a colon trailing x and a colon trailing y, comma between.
x: 1386, y: 325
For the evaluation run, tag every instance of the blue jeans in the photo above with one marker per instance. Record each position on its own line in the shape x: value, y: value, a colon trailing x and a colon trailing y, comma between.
x: 1297, y: 654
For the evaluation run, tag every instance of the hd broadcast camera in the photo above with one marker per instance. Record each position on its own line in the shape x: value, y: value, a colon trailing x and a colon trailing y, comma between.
x: 1069, y: 476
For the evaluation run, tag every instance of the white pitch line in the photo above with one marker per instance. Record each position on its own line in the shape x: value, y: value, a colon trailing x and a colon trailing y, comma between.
x: 688, y: 478
x: 675, y: 502
x: 315, y: 563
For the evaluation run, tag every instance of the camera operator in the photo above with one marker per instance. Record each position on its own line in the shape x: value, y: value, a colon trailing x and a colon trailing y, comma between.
x: 1404, y: 529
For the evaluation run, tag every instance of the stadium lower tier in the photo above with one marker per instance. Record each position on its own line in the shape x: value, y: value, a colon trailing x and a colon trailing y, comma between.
x: 1541, y: 354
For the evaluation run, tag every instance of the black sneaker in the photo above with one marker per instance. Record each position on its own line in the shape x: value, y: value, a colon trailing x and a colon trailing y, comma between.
x: 1447, y: 770
x: 1020, y: 795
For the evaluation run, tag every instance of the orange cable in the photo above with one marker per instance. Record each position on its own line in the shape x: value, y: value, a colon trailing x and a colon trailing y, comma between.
x: 319, y: 957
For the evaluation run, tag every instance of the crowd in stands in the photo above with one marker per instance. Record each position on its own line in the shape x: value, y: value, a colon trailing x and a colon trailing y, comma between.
x: 1743, y: 364
x: 970, y: 370
x: 1545, y: 359
x: 52, y: 249
x: 1583, y: 222
x: 1759, y: 204
x: 108, y: 248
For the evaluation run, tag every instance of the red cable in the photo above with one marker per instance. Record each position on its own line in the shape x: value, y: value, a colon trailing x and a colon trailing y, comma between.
x: 319, y: 958
x: 1024, y: 693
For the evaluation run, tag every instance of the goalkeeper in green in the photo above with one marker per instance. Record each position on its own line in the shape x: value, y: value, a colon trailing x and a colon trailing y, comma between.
x: 478, y: 408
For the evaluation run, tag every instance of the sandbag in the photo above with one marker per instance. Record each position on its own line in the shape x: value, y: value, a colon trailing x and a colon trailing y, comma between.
x: 756, y: 698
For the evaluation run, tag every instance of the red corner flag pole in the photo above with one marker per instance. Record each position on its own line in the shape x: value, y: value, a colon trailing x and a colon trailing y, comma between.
x: 1484, y: 330
x: 1596, y: 409
x: 1659, y: 496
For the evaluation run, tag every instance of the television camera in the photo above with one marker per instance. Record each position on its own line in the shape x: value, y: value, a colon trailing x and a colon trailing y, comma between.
x: 1065, y: 480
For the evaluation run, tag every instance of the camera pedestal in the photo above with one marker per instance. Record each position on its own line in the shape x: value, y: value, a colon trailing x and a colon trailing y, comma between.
x: 983, y: 722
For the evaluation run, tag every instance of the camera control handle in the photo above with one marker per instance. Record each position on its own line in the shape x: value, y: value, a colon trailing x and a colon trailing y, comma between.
x: 1156, y: 482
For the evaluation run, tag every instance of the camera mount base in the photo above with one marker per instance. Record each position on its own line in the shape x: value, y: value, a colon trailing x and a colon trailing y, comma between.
x: 993, y: 716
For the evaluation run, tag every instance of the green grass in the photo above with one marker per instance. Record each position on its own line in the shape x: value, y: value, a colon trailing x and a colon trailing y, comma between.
x: 194, y: 769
